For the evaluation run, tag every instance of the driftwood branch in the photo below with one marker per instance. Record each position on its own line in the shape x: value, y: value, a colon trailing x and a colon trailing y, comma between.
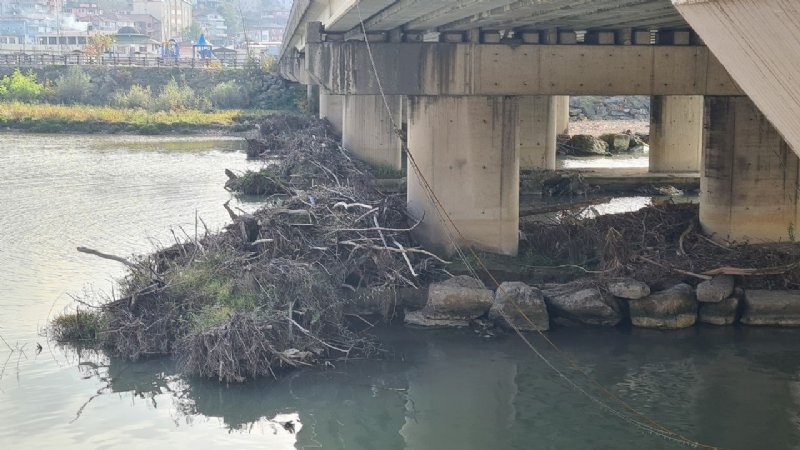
x: 683, y: 272
x: 99, y: 254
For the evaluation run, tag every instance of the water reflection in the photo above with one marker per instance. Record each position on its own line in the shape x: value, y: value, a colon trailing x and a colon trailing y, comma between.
x: 446, y: 389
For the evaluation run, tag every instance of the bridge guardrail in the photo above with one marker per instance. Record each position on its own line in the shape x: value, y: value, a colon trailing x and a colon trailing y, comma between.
x: 37, y: 60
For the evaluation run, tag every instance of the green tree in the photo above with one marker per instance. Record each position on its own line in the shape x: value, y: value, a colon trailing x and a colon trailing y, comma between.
x: 20, y: 87
x: 233, y: 20
x: 193, y: 32
x: 73, y: 87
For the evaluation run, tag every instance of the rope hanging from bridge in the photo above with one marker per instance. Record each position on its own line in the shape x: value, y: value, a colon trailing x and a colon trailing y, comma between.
x: 633, y: 416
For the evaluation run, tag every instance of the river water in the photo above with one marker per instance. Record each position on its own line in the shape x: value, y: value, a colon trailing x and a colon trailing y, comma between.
x: 732, y: 387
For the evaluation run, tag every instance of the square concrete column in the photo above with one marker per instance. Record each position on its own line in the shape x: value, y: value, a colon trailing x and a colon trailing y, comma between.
x: 562, y: 114
x: 466, y: 150
x: 749, y: 180
x: 312, y: 99
x: 331, y: 108
x: 536, y: 132
x: 367, y: 129
x: 676, y: 133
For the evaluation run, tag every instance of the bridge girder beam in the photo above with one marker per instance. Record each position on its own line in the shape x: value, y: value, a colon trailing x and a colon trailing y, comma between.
x: 500, y: 69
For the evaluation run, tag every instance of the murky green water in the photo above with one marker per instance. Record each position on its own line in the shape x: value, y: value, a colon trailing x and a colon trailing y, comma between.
x: 733, y: 387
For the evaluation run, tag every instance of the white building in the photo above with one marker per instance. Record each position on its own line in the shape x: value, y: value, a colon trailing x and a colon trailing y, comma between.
x: 174, y: 15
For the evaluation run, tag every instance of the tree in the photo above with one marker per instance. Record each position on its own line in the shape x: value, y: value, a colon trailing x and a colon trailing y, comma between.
x: 99, y: 43
x: 193, y: 32
x: 233, y: 20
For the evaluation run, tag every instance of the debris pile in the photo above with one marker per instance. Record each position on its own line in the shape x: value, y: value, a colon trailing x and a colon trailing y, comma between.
x: 659, y: 245
x: 274, y: 289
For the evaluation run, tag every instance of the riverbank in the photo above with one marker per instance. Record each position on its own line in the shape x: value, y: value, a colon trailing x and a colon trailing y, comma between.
x: 47, y: 118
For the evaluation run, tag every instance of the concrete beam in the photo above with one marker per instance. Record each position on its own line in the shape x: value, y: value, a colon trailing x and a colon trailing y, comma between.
x: 466, y: 150
x: 486, y: 69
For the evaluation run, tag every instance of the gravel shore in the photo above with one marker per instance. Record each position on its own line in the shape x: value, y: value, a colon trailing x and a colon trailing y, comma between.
x: 598, y: 127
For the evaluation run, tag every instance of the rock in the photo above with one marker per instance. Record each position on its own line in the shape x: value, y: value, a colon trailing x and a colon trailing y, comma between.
x: 628, y: 289
x: 719, y: 313
x: 587, y: 306
x: 670, y: 309
x: 622, y: 142
x: 780, y: 308
x: 512, y: 295
x: 715, y: 290
x: 453, y: 303
x: 585, y: 145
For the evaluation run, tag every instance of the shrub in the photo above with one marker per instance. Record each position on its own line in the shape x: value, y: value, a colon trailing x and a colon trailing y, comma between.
x: 136, y: 97
x: 81, y: 327
x: 174, y: 97
x: 72, y: 87
x: 228, y: 95
x: 20, y: 87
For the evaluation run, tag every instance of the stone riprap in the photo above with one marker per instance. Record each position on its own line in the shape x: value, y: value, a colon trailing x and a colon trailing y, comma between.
x: 521, y: 305
x: 462, y: 299
x: 778, y: 308
x: 620, y: 107
x: 454, y: 302
x: 716, y: 289
x: 586, y: 306
x: 628, y: 289
x: 673, y: 308
x: 719, y: 313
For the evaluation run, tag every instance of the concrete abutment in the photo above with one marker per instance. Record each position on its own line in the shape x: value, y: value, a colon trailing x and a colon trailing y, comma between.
x: 466, y: 148
x: 749, y: 181
x: 676, y: 133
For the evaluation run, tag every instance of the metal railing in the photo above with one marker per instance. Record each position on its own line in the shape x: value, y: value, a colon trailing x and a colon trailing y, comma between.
x: 41, y: 59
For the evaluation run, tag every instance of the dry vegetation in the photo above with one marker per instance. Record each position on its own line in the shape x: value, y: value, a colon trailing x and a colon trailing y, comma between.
x: 658, y: 245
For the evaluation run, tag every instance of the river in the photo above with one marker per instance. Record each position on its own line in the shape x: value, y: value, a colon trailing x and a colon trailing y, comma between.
x: 432, y: 389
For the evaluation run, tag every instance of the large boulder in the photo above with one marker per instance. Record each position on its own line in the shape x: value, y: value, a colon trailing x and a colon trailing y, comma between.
x: 719, y: 313
x: 780, y: 308
x: 453, y: 303
x: 628, y: 288
x: 670, y: 309
x: 521, y: 305
x: 715, y: 290
x: 586, y: 306
x: 585, y: 145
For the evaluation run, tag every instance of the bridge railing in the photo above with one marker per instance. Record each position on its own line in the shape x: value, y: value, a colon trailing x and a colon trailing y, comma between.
x: 41, y: 59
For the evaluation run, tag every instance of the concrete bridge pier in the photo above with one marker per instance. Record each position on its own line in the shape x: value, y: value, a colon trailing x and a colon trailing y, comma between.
x: 676, y: 133
x: 466, y: 148
x: 312, y: 98
x: 749, y: 182
x: 368, y: 131
x: 331, y: 108
x: 562, y: 114
x: 536, y: 131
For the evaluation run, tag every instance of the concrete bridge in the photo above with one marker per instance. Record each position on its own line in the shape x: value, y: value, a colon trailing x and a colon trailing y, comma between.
x: 479, y: 89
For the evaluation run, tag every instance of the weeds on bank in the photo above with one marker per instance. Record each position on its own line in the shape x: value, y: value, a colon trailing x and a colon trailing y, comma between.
x: 47, y: 118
